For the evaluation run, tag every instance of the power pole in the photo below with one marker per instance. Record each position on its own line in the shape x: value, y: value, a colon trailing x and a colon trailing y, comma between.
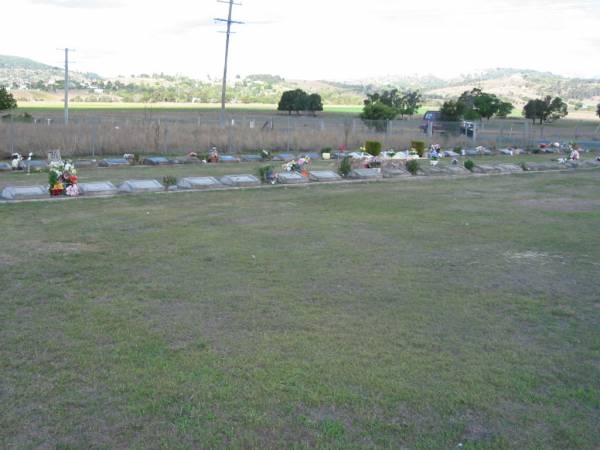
x: 228, y: 32
x: 66, y: 84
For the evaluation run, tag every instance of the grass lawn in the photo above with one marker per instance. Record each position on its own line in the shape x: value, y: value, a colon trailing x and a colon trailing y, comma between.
x: 421, y: 314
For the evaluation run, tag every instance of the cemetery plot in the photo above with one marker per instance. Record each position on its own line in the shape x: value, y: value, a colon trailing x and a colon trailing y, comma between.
x: 395, y: 172
x: 251, y: 158
x: 113, y: 162
x: 24, y: 192
x: 5, y: 167
x: 199, y: 183
x: 97, y: 188
x: 485, y: 168
x: 240, y: 180
x: 84, y: 163
x: 544, y: 166
x: 156, y: 161
x: 34, y: 166
x: 284, y: 157
x: 457, y: 170
x: 365, y: 174
x: 291, y: 178
x: 138, y: 186
x: 324, y: 175
x: 228, y: 159
x: 509, y: 168
x: 434, y: 170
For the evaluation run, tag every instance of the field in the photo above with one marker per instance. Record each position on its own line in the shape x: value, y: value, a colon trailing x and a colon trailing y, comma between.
x: 430, y: 313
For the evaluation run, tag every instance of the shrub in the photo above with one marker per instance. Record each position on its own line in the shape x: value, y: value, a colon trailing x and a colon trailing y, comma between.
x: 326, y: 150
x: 373, y: 148
x: 345, y: 166
x: 169, y: 180
x: 419, y: 147
x: 458, y: 149
x: 265, y: 173
x: 469, y: 164
x: 412, y: 166
x: 524, y: 166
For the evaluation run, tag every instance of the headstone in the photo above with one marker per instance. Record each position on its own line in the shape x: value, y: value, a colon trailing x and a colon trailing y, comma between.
x: 24, y: 192
x: 135, y: 186
x: 291, y: 178
x: 240, y: 180
x: 323, y: 175
x: 365, y: 174
x: 395, y: 172
x: 97, y: 188
x: 156, y: 161
x: 34, y: 165
x: 84, y: 163
x: 114, y: 162
x: 284, y: 157
x: 251, y: 158
x: 228, y: 159
x: 199, y: 183
x: 54, y: 156
x: 5, y: 167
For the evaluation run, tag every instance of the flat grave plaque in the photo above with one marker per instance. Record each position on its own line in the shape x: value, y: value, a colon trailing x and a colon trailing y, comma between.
x: 228, y: 159
x: 240, y: 180
x: 324, y: 175
x: 291, y: 178
x: 34, y: 165
x: 284, y: 157
x: 5, y: 167
x: 98, y: 188
x: 251, y: 158
x: 395, y: 172
x: 24, y: 192
x: 156, y: 161
x: 113, y: 162
x: 135, y: 186
x: 199, y: 183
x: 365, y: 174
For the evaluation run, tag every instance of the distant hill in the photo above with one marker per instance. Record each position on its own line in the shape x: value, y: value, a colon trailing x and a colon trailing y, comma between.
x: 31, y: 80
x: 16, y: 62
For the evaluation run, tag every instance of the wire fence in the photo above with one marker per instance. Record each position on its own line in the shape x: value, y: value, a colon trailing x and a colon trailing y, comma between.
x: 112, y: 134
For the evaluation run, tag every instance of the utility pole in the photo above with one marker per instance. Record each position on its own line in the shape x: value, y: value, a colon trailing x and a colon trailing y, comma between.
x: 66, y: 84
x: 228, y: 32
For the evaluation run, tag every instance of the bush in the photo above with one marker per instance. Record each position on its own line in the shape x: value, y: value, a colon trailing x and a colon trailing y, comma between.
x: 469, y: 164
x: 326, y: 150
x: 524, y: 166
x: 412, y: 166
x: 419, y: 147
x: 345, y: 166
x: 265, y: 173
x: 169, y: 180
x: 373, y: 148
x: 458, y: 149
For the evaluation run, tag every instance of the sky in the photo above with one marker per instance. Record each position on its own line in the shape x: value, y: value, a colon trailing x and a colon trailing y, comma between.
x: 309, y: 39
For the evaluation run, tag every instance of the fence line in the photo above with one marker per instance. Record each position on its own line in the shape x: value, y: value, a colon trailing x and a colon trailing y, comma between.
x: 90, y: 135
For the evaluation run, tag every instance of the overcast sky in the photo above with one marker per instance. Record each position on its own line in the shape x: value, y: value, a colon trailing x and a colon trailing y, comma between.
x: 311, y: 39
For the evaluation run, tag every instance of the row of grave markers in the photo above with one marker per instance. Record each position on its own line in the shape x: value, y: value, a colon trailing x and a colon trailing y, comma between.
x: 106, y: 188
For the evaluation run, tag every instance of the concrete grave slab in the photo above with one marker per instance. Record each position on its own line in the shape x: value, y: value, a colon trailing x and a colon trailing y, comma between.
x: 433, y: 170
x: 113, y: 162
x: 156, y: 161
x: 139, y: 186
x: 544, y: 166
x: 365, y: 174
x: 84, y: 163
x: 97, y: 188
x: 228, y: 159
x: 24, y: 192
x: 251, y: 158
x: 457, y: 170
x: 323, y: 175
x: 5, y: 167
x: 395, y: 172
x: 509, y: 168
x: 199, y: 183
x: 485, y: 168
x: 240, y: 180
x: 291, y: 178
x: 34, y: 165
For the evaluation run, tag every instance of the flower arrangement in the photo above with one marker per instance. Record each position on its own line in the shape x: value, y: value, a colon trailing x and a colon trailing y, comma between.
x: 62, y: 178
x: 299, y: 165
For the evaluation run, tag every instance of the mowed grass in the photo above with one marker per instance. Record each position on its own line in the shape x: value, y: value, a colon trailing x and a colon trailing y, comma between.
x: 424, y: 314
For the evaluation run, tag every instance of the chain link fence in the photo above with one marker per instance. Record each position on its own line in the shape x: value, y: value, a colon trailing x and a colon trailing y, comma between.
x: 92, y: 135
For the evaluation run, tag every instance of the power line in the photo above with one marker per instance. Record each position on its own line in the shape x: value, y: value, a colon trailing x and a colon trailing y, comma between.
x: 228, y: 21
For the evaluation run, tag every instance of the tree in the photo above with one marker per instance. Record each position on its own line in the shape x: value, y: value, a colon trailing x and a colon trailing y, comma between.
x: 504, y: 109
x: 478, y: 105
x: 314, y: 103
x: 411, y: 102
x: 7, y: 101
x: 452, y: 110
x: 375, y: 115
x: 546, y: 109
x: 295, y: 100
